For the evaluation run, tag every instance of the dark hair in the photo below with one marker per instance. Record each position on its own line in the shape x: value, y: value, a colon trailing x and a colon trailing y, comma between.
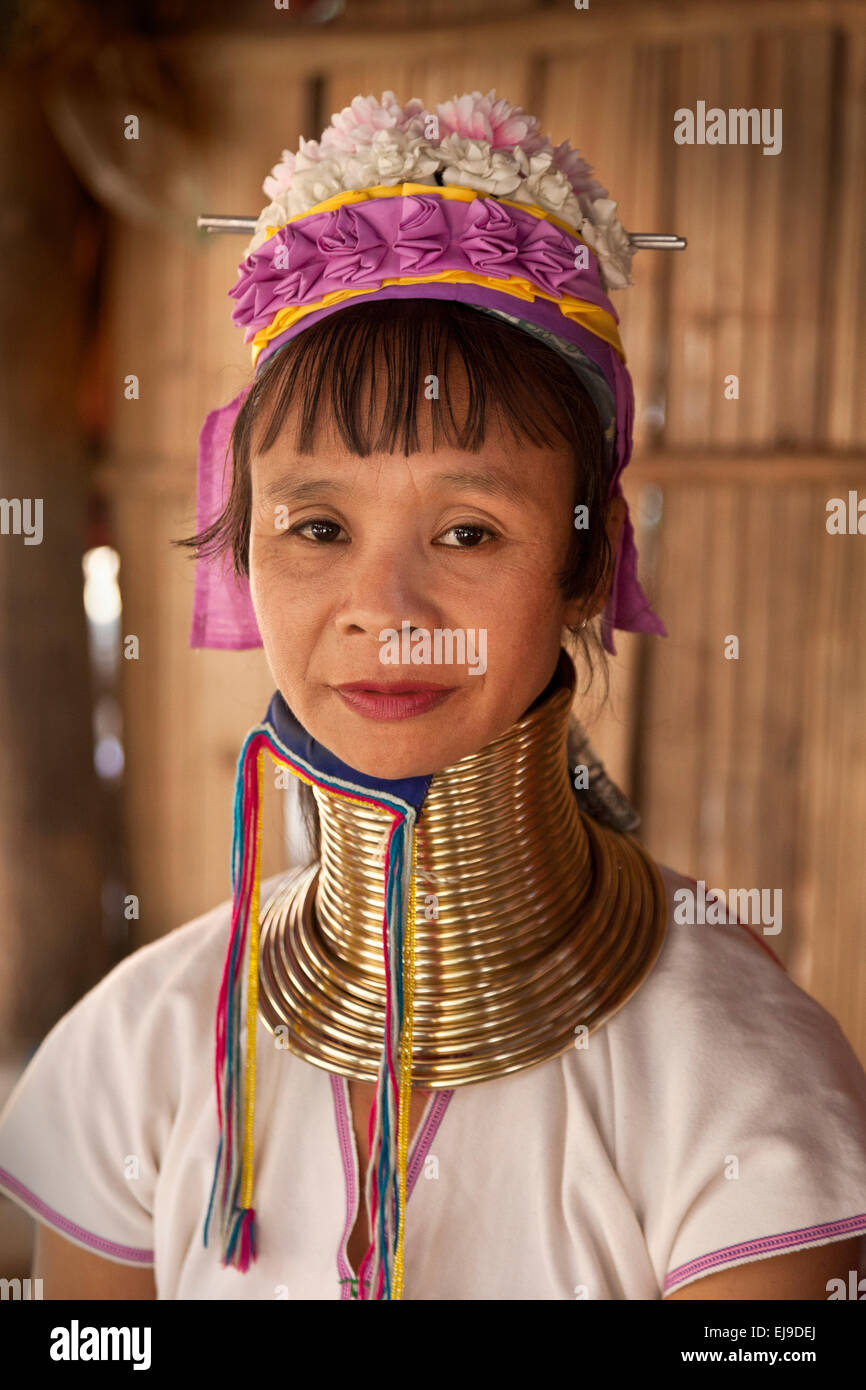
x: 324, y: 372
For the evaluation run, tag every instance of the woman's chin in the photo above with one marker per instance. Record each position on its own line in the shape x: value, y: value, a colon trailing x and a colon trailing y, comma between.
x: 395, y: 748
x: 395, y: 758
x: 392, y: 769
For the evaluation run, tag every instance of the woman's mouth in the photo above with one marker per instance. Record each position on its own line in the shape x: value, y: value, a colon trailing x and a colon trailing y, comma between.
x: 393, y: 699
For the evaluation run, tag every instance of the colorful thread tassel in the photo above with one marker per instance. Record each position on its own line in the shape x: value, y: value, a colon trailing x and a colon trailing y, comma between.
x: 231, y: 1190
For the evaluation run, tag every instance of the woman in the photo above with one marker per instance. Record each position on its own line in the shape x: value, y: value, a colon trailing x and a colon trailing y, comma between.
x: 479, y: 995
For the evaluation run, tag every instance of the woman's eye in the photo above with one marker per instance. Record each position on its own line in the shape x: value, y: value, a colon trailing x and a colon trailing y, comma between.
x: 469, y: 536
x: 324, y: 531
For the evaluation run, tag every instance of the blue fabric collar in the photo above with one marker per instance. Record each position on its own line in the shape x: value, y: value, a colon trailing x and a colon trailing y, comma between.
x: 292, y: 733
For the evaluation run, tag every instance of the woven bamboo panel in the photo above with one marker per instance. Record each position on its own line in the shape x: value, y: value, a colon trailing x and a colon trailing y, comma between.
x: 767, y: 752
x: 763, y: 751
x: 575, y: 104
x: 844, y: 397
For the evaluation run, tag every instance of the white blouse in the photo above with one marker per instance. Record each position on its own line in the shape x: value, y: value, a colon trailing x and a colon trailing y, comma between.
x: 718, y: 1117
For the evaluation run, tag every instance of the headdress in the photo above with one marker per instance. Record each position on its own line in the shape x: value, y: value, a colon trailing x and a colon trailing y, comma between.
x: 466, y: 202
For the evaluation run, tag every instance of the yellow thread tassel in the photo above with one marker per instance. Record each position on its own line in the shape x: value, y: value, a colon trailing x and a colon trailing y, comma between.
x: 252, y: 1000
x: 405, y: 1070
x: 405, y: 1038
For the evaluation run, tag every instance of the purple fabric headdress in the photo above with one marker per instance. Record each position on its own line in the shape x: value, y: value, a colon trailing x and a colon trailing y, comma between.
x: 485, y: 212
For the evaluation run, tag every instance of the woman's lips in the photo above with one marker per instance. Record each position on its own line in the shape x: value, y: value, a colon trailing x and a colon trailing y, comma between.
x: 397, y: 700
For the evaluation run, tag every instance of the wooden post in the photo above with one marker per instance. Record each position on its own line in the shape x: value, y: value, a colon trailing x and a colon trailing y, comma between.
x: 51, y: 940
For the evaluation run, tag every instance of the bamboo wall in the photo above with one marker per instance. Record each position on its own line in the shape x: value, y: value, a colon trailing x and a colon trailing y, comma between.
x: 748, y: 773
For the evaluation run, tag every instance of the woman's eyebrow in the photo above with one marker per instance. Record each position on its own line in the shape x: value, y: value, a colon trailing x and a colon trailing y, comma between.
x: 297, y: 489
x: 289, y: 489
x: 487, y: 480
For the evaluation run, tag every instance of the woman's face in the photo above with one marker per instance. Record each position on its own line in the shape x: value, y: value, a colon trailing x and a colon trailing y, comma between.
x: 348, y: 554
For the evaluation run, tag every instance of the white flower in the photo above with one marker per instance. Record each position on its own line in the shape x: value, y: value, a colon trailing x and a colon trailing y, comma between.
x: 274, y: 215
x: 603, y: 231
x: 281, y: 176
x: 311, y: 186
x: 550, y: 189
x: 474, y: 164
x: 392, y: 157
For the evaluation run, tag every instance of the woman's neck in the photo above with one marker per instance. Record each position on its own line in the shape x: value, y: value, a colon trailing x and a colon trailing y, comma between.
x: 485, y: 855
x: 529, y: 918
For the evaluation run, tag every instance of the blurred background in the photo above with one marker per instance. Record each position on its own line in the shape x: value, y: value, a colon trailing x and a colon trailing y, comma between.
x: 118, y: 743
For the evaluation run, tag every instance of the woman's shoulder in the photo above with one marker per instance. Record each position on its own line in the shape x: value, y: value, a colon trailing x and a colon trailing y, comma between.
x: 731, y: 928
x: 736, y: 1105
x: 719, y: 996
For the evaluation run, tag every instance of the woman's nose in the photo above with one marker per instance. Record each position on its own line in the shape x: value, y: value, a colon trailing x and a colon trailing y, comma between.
x: 385, y: 588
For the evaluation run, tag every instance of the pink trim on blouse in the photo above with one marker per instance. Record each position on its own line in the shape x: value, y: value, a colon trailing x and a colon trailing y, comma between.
x: 436, y: 1107
x: 767, y: 1245
x: 26, y: 1198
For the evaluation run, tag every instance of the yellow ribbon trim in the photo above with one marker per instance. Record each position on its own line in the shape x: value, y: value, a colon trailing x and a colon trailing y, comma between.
x: 589, y: 316
x: 405, y: 1069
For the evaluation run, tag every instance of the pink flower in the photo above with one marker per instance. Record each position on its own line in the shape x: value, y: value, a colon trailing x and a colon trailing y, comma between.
x: 480, y: 117
x: 354, y: 127
x: 280, y: 177
x: 423, y: 236
x: 579, y: 174
x: 547, y: 257
x: 286, y: 272
x: 351, y: 246
x: 490, y: 239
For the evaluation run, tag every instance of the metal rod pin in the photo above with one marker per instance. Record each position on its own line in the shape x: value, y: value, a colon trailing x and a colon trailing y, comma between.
x: 641, y: 241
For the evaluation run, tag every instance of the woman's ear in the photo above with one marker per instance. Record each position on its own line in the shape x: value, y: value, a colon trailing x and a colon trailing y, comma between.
x: 580, y: 610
